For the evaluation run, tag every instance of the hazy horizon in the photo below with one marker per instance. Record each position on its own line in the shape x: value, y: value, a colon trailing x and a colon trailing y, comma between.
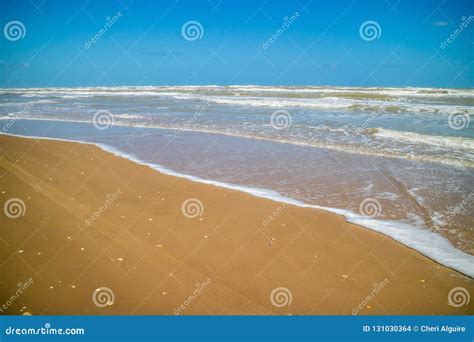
x: 238, y: 85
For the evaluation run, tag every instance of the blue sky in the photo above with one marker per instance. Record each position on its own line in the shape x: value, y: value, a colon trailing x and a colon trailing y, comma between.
x: 322, y: 46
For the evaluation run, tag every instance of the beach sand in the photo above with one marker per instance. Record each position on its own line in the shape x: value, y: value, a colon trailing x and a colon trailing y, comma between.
x: 92, y: 220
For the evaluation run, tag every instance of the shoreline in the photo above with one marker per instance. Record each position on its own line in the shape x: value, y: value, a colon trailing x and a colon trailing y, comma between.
x: 391, y: 229
x: 145, y: 249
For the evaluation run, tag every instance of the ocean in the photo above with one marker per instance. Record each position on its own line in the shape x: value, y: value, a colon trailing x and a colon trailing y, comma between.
x: 399, y: 161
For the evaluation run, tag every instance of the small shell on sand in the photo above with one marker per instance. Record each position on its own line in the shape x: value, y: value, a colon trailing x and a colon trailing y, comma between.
x: 345, y: 276
x: 150, y: 219
x: 51, y: 287
x: 26, y: 313
x: 119, y: 259
x: 206, y: 236
x: 164, y: 293
x: 159, y: 246
x: 20, y: 251
x: 73, y: 286
x: 82, y: 249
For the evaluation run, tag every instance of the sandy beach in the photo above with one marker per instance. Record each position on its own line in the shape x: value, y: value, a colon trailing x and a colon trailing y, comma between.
x: 94, y: 225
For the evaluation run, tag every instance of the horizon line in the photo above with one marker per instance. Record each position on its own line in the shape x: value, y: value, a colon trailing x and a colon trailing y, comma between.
x: 236, y: 85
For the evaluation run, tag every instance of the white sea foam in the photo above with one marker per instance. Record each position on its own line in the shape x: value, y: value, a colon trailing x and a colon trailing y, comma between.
x: 407, y: 91
x: 436, y: 140
x: 128, y: 116
x: 328, y: 98
x: 346, y: 148
x: 420, y: 239
x: 327, y: 103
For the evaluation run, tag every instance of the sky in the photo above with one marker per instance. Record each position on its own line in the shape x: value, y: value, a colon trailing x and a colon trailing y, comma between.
x: 300, y: 42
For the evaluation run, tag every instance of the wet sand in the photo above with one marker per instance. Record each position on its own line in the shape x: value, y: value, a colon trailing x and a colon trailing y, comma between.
x: 92, y: 220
